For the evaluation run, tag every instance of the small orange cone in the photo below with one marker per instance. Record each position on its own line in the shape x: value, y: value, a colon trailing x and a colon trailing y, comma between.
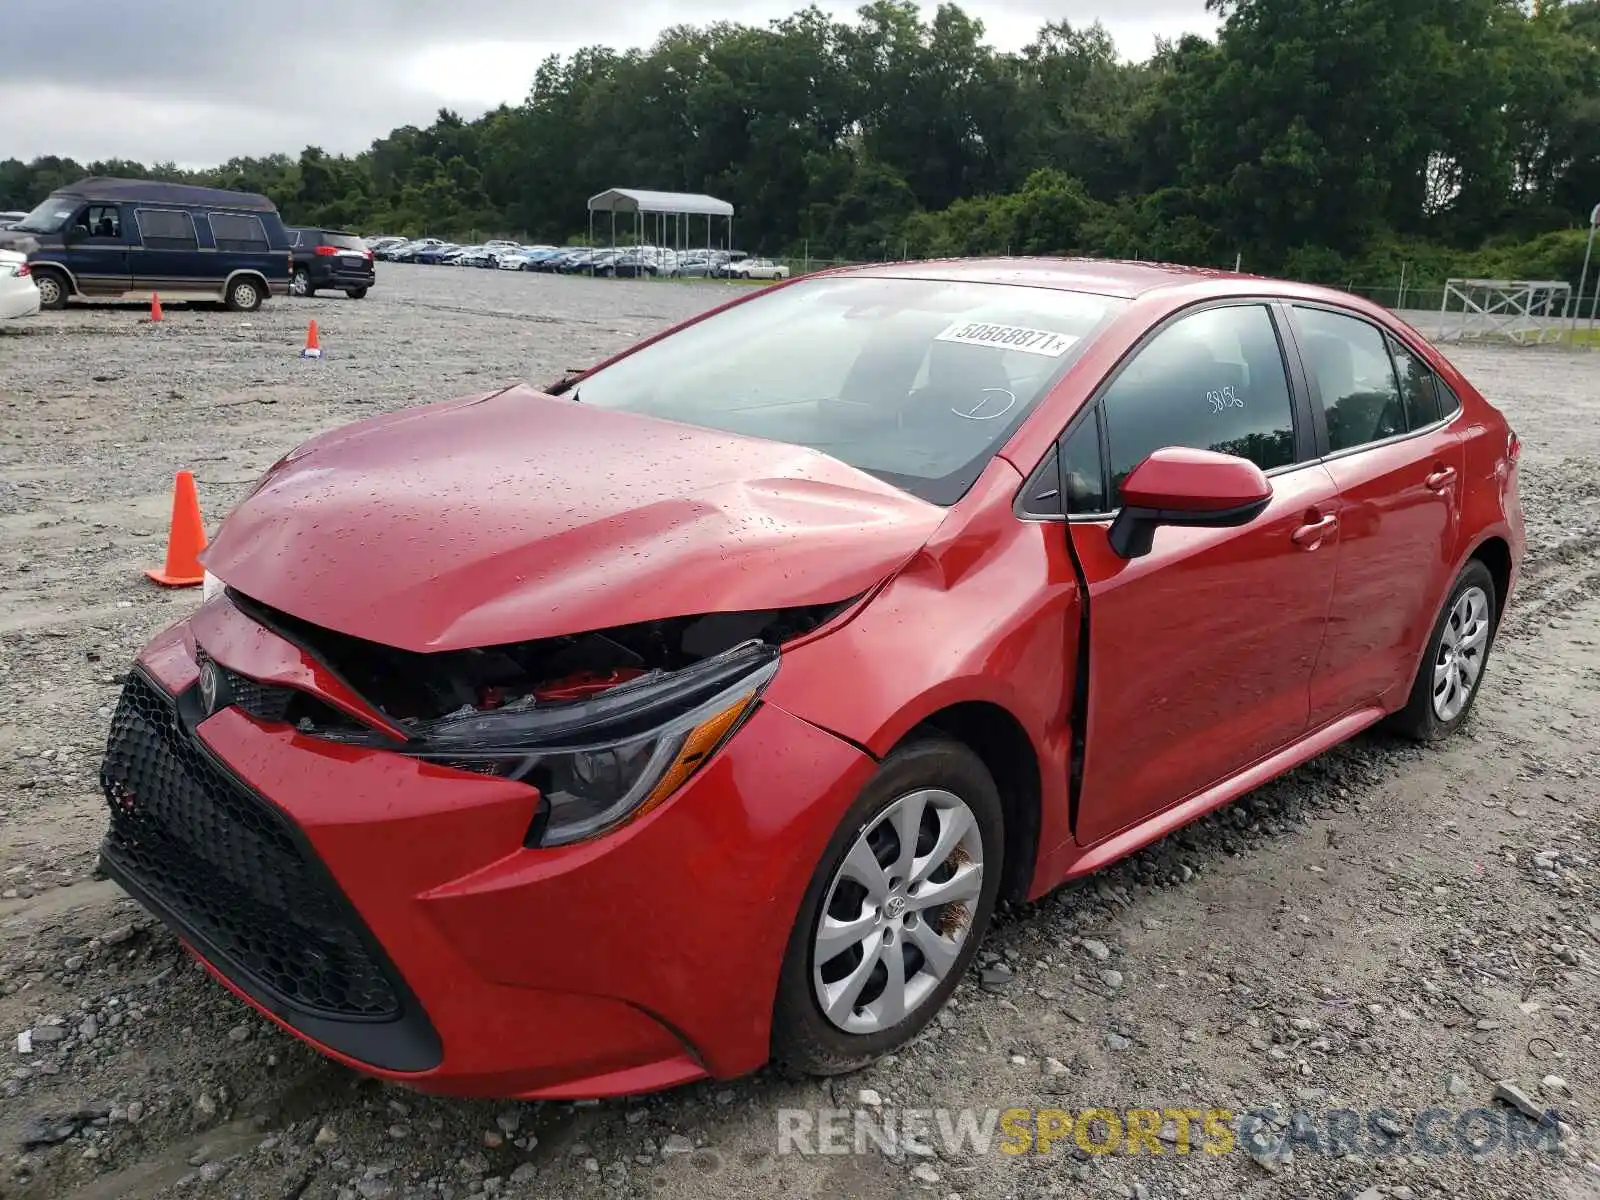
x: 186, y: 539
x: 313, y: 345
x: 155, y: 307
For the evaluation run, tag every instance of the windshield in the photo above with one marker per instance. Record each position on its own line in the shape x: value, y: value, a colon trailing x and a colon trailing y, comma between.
x: 916, y: 381
x: 49, y: 217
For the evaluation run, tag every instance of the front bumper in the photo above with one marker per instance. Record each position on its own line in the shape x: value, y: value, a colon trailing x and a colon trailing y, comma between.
x: 385, y: 910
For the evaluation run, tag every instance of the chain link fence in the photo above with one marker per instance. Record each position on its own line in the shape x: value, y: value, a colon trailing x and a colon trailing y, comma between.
x: 1427, y: 306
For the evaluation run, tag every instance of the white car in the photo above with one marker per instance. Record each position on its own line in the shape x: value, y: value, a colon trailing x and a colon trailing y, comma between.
x: 19, y: 295
x: 760, y: 268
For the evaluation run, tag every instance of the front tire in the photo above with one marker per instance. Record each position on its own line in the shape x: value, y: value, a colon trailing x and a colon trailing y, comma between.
x: 244, y: 295
x: 894, y: 913
x: 1451, y: 671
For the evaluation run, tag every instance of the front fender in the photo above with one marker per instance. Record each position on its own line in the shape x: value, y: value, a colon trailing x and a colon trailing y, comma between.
x: 987, y: 614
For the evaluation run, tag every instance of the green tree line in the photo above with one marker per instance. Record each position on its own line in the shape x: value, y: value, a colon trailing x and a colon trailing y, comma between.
x: 1329, y: 140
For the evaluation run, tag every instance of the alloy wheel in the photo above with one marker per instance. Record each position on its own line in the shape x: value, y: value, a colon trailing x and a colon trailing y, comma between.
x: 897, y: 911
x: 49, y: 289
x: 1462, y: 648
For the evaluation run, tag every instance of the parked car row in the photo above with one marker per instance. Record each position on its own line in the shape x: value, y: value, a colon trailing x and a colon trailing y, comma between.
x: 619, y: 262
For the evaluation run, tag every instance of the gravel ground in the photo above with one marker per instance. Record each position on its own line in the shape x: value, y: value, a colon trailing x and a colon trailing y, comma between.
x: 1385, y: 929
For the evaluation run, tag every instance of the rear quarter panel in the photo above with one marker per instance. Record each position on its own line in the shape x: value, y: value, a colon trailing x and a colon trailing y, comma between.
x: 1491, y: 505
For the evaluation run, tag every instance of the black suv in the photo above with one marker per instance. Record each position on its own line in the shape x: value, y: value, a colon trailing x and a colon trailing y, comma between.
x: 325, y: 258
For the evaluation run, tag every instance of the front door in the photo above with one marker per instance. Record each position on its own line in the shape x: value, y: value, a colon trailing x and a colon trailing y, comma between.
x: 166, y: 257
x: 97, y: 250
x: 1399, y: 466
x: 1201, y: 653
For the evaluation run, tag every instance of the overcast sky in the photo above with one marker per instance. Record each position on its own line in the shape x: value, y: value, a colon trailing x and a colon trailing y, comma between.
x: 200, y: 83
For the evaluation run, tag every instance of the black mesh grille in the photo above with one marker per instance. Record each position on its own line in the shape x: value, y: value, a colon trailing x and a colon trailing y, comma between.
x: 261, y: 700
x: 230, y: 867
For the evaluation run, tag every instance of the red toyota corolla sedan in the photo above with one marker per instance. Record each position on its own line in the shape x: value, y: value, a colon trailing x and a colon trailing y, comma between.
x: 696, y: 711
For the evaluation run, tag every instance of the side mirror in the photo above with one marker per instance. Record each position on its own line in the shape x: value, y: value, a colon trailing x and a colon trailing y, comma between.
x: 1178, y: 486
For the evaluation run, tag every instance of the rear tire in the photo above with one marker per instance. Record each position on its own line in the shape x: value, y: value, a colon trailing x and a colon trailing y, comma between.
x: 356, y: 293
x: 53, y: 288
x: 244, y: 295
x: 300, y: 283
x: 1452, y: 669
x: 951, y: 789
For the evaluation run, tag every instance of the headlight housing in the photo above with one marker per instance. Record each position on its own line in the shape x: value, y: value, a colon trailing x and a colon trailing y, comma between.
x: 602, y: 762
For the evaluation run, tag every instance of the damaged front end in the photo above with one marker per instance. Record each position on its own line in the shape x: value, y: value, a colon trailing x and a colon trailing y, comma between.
x: 605, y: 725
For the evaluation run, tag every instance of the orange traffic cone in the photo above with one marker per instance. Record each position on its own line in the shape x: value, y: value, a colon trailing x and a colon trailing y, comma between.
x: 313, y: 345
x: 155, y: 307
x: 186, y: 538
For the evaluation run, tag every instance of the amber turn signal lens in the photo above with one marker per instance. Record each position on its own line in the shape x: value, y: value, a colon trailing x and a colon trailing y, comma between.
x: 700, y: 745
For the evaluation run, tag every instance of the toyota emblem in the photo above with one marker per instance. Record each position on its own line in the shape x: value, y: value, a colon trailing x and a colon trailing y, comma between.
x: 210, y: 685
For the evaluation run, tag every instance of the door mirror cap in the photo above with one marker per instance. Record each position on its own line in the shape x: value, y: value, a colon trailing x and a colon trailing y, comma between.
x: 1180, y: 486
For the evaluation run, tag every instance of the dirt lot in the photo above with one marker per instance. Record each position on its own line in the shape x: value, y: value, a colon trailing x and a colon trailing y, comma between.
x: 1386, y: 929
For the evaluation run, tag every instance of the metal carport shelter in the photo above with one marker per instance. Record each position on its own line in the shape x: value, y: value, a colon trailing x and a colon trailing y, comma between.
x: 678, y: 207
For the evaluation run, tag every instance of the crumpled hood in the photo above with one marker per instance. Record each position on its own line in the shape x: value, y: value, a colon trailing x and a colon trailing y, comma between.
x: 517, y: 515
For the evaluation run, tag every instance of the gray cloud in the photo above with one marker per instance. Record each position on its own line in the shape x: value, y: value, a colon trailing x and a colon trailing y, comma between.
x: 197, y: 84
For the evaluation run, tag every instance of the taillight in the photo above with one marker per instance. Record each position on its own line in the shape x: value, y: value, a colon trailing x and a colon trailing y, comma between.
x: 22, y: 269
x: 326, y: 251
x: 368, y: 253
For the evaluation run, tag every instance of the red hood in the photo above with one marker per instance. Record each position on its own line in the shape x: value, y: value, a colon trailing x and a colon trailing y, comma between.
x: 516, y: 516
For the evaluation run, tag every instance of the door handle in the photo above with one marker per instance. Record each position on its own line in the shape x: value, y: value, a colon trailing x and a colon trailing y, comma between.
x: 1441, y: 479
x: 1309, y: 537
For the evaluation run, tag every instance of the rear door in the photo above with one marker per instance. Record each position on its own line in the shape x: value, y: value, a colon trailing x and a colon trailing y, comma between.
x: 166, y: 255
x: 97, y: 250
x: 1200, y: 653
x: 1390, y: 445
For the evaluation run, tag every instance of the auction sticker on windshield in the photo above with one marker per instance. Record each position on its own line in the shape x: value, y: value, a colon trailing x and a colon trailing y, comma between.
x: 1008, y: 337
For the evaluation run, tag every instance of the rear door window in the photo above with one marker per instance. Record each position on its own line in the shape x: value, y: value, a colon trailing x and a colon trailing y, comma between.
x: 1348, y: 361
x: 166, y: 229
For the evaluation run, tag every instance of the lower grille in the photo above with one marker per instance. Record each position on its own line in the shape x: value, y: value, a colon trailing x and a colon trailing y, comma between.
x: 232, y: 870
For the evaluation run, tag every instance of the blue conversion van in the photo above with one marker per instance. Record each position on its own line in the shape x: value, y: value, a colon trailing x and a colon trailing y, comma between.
x: 128, y: 238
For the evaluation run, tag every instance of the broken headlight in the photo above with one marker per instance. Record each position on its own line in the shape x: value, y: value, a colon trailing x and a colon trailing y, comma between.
x: 613, y: 757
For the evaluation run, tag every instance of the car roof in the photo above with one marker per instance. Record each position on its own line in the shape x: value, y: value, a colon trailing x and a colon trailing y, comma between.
x: 1106, y: 277
x: 154, y: 191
